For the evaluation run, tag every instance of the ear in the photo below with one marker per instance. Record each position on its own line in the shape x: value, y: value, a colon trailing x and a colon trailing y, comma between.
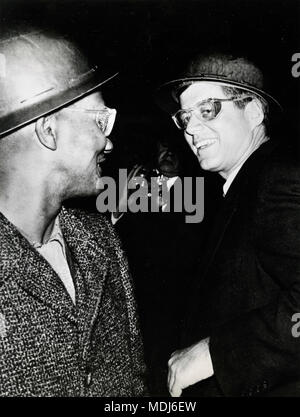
x: 254, y: 113
x: 45, y: 131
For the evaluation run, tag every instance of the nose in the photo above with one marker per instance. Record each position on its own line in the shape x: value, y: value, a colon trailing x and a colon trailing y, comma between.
x: 108, y: 146
x: 194, y: 125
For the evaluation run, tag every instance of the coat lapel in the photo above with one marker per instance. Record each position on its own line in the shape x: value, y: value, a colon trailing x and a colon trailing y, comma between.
x: 224, y: 216
x: 230, y: 204
x: 89, y: 266
x: 21, y: 263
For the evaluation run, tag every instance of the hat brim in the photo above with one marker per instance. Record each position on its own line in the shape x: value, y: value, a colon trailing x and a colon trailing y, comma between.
x: 52, y: 101
x: 166, y: 101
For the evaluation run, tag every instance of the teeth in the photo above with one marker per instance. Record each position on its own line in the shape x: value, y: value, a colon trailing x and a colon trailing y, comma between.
x: 205, y: 143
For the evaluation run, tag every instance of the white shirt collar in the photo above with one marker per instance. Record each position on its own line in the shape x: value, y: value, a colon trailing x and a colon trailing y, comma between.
x: 230, y: 178
x: 171, y: 181
x: 260, y: 139
x: 56, y: 234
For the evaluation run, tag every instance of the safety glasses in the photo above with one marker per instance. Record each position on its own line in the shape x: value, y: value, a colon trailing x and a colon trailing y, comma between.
x: 104, y: 118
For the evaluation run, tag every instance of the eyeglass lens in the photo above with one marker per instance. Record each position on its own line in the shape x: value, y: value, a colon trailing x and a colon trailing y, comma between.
x: 105, y: 120
x: 204, y: 111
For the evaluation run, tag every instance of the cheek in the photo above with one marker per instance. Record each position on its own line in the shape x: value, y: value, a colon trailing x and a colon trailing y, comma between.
x: 91, y: 141
x: 189, y: 140
x: 79, y: 132
x: 85, y: 145
x: 75, y: 155
x: 239, y: 126
x: 230, y: 135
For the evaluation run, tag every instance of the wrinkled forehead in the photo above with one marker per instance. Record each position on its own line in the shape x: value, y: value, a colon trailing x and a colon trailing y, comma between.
x: 199, y: 91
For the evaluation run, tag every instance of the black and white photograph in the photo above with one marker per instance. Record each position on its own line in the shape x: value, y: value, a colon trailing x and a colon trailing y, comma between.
x: 150, y: 201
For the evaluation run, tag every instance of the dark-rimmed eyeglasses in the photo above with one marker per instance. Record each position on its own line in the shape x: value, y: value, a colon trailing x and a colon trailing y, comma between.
x: 205, y: 111
x: 104, y: 118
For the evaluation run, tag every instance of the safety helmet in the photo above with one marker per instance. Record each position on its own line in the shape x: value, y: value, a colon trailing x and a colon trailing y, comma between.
x: 41, y: 72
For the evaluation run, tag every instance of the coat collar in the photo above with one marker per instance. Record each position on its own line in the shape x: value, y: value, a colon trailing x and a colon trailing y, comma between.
x: 231, y: 201
x: 89, y: 260
x: 22, y: 264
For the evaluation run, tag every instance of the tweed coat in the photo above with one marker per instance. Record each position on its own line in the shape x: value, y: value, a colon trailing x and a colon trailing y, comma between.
x: 48, y: 346
x: 248, y: 285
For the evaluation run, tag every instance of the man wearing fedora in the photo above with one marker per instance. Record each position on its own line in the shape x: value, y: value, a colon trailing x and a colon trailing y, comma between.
x: 68, y: 323
x: 237, y: 337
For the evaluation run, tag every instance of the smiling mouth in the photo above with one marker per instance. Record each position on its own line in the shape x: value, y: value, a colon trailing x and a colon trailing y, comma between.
x: 205, y: 144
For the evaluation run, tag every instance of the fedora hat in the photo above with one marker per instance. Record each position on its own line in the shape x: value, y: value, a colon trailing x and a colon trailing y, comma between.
x: 223, y: 69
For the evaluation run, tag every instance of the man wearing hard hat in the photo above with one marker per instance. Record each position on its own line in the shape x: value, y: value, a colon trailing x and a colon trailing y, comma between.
x: 68, y: 324
x: 238, y: 336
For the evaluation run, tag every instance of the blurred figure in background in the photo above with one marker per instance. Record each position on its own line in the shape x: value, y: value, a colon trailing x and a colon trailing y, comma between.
x: 162, y: 251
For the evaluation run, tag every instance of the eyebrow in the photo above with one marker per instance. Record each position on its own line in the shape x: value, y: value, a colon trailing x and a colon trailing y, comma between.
x: 200, y: 102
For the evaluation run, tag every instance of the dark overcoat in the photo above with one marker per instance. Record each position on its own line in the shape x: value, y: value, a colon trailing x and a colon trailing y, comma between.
x: 247, y: 290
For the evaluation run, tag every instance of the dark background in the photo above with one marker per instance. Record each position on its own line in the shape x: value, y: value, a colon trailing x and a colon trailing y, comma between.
x: 149, y: 42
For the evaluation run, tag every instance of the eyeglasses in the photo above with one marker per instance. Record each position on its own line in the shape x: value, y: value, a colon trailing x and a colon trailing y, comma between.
x: 104, y: 118
x: 205, y: 111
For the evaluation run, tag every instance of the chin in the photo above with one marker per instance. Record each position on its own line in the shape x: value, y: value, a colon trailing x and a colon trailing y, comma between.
x: 87, y: 191
x: 93, y: 191
x: 93, y: 187
x: 206, y: 166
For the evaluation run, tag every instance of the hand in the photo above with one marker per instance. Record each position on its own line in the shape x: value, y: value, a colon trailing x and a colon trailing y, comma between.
x: 188, y: 366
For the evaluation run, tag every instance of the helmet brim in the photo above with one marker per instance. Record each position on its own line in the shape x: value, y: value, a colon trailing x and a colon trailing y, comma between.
x: 52, y: 100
